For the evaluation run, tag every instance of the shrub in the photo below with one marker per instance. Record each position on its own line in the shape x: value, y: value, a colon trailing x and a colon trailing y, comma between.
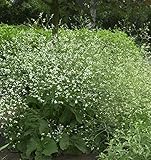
x: 134, y: 12
x: 131, y: 139
x: 132, y: 143
x: 70, y: 95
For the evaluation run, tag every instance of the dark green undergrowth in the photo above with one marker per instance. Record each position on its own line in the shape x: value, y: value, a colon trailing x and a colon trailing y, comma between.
x: 85, y: 92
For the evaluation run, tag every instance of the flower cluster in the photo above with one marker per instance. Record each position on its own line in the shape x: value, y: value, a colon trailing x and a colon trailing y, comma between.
x: 84, y: 84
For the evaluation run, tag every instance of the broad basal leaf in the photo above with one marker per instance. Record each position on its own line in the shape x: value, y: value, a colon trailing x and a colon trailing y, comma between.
x: 64, y: 142
x: 43, y: 128
x: 79, y: 143
x: 50, y: 147
x: 66, y: 116
x: 31, y: 146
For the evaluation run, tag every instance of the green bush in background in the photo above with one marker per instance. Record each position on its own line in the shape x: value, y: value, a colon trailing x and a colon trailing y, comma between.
x: 20, y: 13
x: 73, y: 94
x: 134, y: 12
x: 108, y: 12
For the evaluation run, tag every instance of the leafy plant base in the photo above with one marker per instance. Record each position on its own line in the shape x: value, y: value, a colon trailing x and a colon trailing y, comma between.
x: 8, y: 155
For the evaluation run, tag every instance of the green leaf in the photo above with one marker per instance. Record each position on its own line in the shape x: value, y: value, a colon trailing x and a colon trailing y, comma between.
x: 21, y: 147
x: 47, y: 1
x: 78, y: 116
x: 28, y: 132
x: 79, y: 143
x: 66, y: 116
x: 50, y: 147
x: 64, y: 142
x: 33, y: 102
x: 31, y: 146
x: 30, y: 99
x: 39, y: 156
x: 43, y: 128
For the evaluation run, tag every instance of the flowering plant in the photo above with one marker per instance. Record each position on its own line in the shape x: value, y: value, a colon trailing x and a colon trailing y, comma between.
x: 67, y: 95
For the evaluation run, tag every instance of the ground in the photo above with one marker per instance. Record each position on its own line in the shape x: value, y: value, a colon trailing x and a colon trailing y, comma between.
x: 8, y: 155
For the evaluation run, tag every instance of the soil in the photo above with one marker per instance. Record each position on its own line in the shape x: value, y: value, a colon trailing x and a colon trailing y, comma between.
x: 9, y: 155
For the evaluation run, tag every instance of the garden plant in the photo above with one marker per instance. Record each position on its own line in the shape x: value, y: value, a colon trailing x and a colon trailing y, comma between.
x: 88, y: 91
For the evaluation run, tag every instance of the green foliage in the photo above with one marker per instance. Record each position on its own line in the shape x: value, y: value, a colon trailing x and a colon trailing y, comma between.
x: 72, y: 95
x: 135, y: 12
x: 77, y: 13
x: 22, y: 12
x: 64, y: 141
x: 133, y: 143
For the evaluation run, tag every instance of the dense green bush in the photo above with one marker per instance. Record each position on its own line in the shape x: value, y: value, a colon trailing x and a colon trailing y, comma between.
x: 25, y: 11
x: 72, y: 93
x: 22, y: 12
x: 132, y: 143
x: 134, y: 12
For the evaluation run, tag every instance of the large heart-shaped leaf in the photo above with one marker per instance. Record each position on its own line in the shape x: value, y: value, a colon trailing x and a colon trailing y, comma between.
x: 64, y: 141
x: 43, y: 128
x: 50, y: 147
x: 66, y: 116
x: 31, y: 146
x: 79, y: 143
